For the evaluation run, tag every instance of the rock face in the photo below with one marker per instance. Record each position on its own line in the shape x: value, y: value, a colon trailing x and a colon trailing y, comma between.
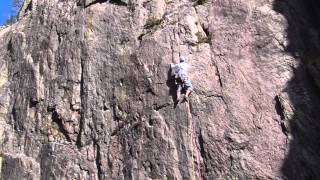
x: 85, y: 91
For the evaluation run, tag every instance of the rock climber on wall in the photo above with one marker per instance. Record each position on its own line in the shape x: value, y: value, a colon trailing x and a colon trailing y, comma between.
x: 182, y: 81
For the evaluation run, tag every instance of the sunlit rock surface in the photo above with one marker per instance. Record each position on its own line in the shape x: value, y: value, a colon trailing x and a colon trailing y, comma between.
x: 85, y: 91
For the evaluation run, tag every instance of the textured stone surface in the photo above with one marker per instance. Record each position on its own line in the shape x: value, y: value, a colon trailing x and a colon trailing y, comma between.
x: 19, y: 166
x: 85, y: 92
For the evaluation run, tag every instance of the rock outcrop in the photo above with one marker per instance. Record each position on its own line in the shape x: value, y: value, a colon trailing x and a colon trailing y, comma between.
x: 85, y: 91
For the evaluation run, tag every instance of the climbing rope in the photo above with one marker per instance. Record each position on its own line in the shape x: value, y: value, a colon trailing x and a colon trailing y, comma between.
x: 195, y: 147
x: 192, y: 147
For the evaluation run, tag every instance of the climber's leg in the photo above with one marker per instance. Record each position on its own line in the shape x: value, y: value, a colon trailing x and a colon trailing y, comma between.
x: 179, y: 92
x: 189, y: 88
x: 178, y: 96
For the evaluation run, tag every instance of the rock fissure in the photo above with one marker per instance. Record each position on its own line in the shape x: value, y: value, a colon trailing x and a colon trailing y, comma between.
x: 98, y: 161
x: 201, y: 150
x: 88, y: 3
x: 219, y: 75
x: 56, y: 118
x: 83, y: 98
x: 162, y: 106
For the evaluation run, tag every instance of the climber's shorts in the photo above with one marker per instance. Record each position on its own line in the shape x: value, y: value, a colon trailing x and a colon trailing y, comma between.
x: 186, y: 85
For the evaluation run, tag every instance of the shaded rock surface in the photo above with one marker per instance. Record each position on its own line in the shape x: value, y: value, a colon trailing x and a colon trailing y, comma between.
x: 85, y: 91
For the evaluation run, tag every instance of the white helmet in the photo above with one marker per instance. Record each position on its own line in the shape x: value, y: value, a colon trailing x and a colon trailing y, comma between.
x: 183, y: 59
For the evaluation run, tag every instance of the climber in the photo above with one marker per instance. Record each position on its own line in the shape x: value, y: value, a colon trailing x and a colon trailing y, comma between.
x: 180, y: 72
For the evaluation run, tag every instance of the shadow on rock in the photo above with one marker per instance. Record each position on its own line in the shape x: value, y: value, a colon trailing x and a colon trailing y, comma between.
x: 172, y: 86
x: 301, y: 117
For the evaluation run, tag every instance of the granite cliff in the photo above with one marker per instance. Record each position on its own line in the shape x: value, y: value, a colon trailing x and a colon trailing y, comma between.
x: 85, y: 91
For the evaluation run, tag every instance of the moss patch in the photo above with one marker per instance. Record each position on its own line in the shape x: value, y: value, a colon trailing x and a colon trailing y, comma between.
x: 204, y: 39
x: 151, y: 22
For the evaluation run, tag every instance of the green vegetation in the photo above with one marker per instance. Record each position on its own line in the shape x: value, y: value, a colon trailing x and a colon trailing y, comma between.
x: 204, y: 39
x: 174, y: 22
x: 168, y: 1
x: 151, y: 22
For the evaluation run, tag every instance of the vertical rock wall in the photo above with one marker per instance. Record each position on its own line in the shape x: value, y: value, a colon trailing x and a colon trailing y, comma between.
x: 85, y: 91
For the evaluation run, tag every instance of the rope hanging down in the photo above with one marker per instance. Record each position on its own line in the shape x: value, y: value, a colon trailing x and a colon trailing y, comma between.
x: 194, y: 146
